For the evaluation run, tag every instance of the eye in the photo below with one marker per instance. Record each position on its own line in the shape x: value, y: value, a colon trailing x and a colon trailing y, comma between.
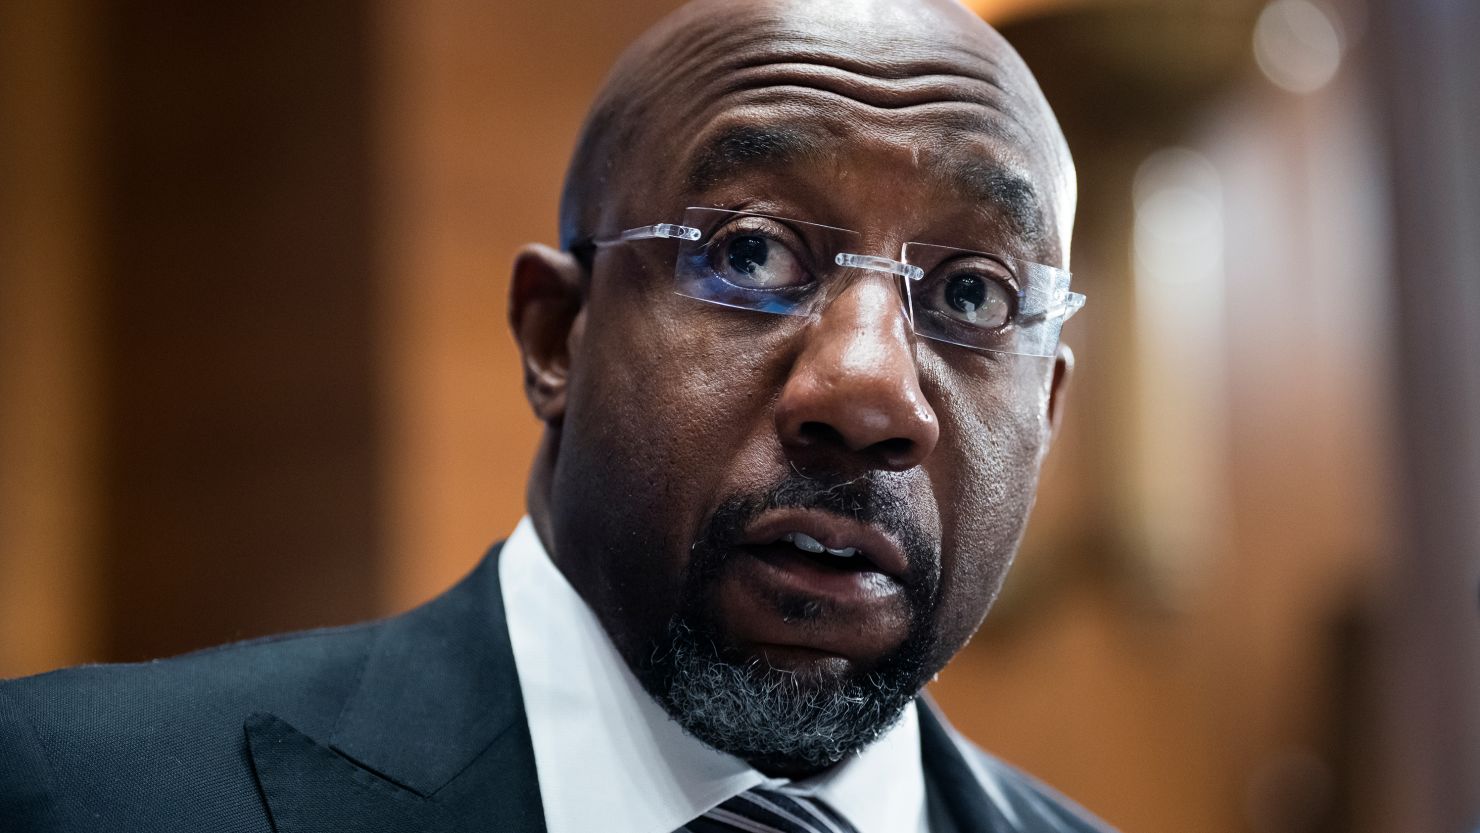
x: 757, y: 261
x: 974, y: 298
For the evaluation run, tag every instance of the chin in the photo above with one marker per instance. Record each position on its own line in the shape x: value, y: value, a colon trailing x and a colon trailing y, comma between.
x: 783, y: 709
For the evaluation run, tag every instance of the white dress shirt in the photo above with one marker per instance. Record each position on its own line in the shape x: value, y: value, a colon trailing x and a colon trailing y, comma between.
x: 610, y: 759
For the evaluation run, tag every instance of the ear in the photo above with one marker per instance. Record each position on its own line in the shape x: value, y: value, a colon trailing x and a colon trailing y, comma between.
x: 545, y: 302
x: 1063, y: 368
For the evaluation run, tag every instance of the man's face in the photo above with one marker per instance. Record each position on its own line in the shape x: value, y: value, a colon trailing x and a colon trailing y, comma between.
x: 699, y: 443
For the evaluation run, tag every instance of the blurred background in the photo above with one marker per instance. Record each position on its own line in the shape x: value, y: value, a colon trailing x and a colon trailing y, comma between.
x: 255, y: 375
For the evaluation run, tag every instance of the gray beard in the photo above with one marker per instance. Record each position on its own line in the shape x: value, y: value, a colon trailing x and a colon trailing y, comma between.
x: 774, y: 717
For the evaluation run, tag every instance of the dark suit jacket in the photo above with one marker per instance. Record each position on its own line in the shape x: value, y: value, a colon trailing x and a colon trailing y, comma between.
x: 414, y: 723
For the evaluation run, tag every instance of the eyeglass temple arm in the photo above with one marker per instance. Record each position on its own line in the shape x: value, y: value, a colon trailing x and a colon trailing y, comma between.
x: 1062, y: 307
x: 1071, y: 303
x: 671, y: 230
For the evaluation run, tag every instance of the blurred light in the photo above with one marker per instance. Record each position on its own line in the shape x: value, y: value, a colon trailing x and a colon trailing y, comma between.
x: 1180, y: 501
x: 1298, y: 45
x: 998, y: 12
x: 1179, y: 220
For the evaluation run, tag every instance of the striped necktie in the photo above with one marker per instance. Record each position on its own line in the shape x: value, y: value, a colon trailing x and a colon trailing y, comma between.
x: 769, y: 811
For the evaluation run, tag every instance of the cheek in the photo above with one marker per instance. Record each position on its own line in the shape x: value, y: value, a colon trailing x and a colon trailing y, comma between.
x: 665, y: 405
x: 997, y: 431
x: 683, y: 391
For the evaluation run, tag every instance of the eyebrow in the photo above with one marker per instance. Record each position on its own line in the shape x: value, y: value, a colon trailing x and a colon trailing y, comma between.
x: 750, y: 146
x: 997, y: 185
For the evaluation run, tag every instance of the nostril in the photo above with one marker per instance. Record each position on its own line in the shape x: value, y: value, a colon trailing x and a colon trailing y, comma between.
x: 823, y: 435
x: 820, y: 434
x: 896, y: 448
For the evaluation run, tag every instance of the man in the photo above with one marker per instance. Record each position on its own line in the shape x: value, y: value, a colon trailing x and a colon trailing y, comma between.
x: 798, y: 363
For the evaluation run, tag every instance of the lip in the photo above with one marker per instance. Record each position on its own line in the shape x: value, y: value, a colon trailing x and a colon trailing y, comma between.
x: 835, y: 531
x: 781, y: 604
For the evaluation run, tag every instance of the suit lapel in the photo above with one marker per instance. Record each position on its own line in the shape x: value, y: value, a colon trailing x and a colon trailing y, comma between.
x: 433, y: 736
x: 307, y: 786
x: 972, y: 792
x: 957, y: 799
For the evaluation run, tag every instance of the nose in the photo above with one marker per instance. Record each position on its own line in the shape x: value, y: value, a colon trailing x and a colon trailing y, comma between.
x: 853, y: 396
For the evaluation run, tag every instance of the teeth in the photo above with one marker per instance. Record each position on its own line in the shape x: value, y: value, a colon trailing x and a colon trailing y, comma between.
x: 807, y: 543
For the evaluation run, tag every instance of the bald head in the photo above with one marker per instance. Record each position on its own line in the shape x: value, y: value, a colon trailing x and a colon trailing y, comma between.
x: 719, y: 85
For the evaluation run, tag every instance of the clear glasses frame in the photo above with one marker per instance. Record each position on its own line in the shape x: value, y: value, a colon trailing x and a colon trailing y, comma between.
x: 763, y: 263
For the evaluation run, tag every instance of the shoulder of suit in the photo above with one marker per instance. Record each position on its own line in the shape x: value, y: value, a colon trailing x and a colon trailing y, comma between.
x: 293, y: 669
x: 162, y: 745
x: 292, y: 674
x: 78, y: 742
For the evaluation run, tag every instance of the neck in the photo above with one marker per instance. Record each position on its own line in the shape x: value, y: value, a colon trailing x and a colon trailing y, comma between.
x: 787, y: 769
x: 537, y: 491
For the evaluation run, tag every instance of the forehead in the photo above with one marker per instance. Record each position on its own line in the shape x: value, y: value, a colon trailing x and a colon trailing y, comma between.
x: 942, y: 124
x: 965, y: 187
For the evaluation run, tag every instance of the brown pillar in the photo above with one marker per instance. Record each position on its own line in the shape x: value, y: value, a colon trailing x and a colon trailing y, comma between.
x: 238, y: 345
x: 1430, y: 672
x: 48, y: 345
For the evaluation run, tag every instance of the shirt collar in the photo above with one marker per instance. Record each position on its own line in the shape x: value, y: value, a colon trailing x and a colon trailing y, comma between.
x: 608, y: 756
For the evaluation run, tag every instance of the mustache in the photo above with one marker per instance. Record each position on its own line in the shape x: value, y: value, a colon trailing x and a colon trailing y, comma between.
x: 872, y: 499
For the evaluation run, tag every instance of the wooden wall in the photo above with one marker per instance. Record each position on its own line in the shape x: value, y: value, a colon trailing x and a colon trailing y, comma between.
x: 49, y: 350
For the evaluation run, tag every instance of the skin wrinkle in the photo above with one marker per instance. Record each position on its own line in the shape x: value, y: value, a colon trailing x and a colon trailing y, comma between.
x: 810, y: 53
x: 912, y: 85
x: 878, y: 92
x: 891, y: 57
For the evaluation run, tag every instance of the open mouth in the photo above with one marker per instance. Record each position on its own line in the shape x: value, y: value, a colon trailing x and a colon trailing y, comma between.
x: 802, y: 582
x: 826, y: 540
x: 814, y: 581
x: 800, y: 545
